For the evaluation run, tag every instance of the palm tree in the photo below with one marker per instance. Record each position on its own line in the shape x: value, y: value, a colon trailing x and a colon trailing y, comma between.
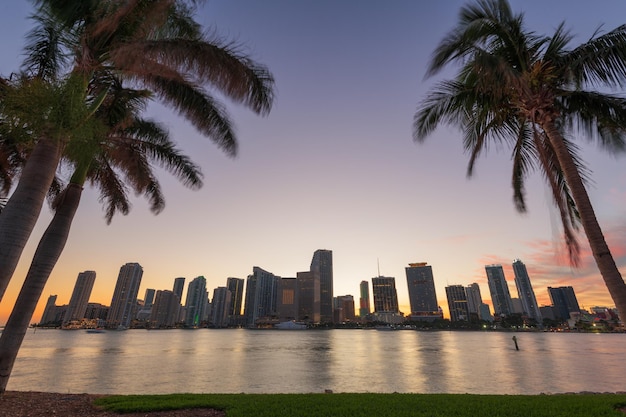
x: 533, y: 93
x: 129, y: 148
x: 152, y: 45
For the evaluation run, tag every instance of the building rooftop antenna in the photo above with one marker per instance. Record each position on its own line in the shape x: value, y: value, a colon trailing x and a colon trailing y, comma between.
x: 378, y: 265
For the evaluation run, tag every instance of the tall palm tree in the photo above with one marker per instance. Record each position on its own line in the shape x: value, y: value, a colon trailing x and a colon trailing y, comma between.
x: 152, y: 45
x: 534, y: 93
x: 128, y: 149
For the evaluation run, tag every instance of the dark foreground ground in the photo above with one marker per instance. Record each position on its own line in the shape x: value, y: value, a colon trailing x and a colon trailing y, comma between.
x: 45, y: 404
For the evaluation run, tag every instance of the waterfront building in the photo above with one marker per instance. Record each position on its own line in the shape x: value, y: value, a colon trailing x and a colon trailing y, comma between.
x: 484, y: 312
x: 196, y: 302
x: 235, y: 286
x: 80, y: 297
x: 179, y: 286
x: 261, y: 297
x: 385, y: 295
x: 422, y: 295
x: 308, y: 297
x: 500, y: 295
x: 288, y: 299
x: 220, y: 307
x: 148, y: 298
x: 564, y: 302
x: 474, y: 300
x: 344, y: 308
x: 96, y: 311
x: 165, y: 310
x: 124, y: 301
x: 49, y: 312
x: 457, y: 303
x: 364, y: 300
x: 322, y: 267
x: 525, y: 291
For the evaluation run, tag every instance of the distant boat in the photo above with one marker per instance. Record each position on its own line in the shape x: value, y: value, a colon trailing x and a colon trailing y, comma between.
x: 290, y: 325
x: 96, y: 330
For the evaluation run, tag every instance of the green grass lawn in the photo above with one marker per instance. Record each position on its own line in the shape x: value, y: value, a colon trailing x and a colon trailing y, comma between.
x: 378, y: 405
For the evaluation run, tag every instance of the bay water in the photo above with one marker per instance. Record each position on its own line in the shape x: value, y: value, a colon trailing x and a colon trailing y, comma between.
x: 278, y: 361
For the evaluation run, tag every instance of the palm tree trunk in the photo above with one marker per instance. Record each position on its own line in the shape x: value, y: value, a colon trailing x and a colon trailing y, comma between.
x: 21, y: 212
x: 601, y: 253
x: 48, y: 252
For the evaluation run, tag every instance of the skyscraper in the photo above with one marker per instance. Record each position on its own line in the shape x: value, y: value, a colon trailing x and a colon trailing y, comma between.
x: 457, y: 303
x: 344, y: 308
x: 165, y: 310
x: 48, y: 315
x: 308, y: 297
x: 385, y: 295
x: 474, y: 299
x: 261, y: 296
x: 80, y: 296
x: 179, y: 286
x: 148, y: 298
x: 322, y: 266
x: 364, y: 300
x: 220, y: 307
x: 196, y: 303
x: 500, y: 296
x: 288, y: 298
x: 125, y: 296
x: 564, y: 301
x: 235, y: 286
x: 525, y: 291
x: 422, y: 296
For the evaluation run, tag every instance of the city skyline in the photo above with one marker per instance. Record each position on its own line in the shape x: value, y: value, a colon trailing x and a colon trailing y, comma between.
x: 334, y: 165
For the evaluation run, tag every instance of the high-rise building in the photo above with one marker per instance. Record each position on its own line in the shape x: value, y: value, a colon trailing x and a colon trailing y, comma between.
x: 385, y: 295
x: 457, y: 303
x: 288, y: 299
x: 261, y: 296
x: 235, y: 286
x: 196, y: 303
x: 220, y: 307
x: 364, y: 300
x: 474, y: 300
x: 124, y: 299
x: 179, y: 286
x: 80, y: 296
x: 165, y: 310
x: 148, y: 298
x: 49, y: 311
x: 525, y: 291
x: 308, y: 296
x: 322, y: 266
x: 422, y: 296
x: 344, y: 308
x: 564, y: 301
x: 500, y: 295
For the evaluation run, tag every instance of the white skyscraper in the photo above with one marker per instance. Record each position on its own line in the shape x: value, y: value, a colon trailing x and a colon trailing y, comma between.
x: 80, y: 296
x: 525, y: 291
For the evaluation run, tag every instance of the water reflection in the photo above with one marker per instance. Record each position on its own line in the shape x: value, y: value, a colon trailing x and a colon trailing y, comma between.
x: 233, y: 361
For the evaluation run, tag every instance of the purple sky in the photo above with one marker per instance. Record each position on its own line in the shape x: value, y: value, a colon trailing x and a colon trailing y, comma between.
x: 334, y: 166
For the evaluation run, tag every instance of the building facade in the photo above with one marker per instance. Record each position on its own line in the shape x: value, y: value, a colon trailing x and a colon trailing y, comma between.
x: 457, y: 303
x: 422, y: 295
x: 385, y: 295
x: 124, y: 301
x: 165, y: 310
x: 525, y: 291
x: 261, y: 297
x: 196, y: 302
x: 499, y: 290
x: 364, y: 299
x: 322, y: 267
x: 80, y: 296
x: 220, y: 307
x: 308, y: 297
x: 288, y: 299
x: 564, y: 302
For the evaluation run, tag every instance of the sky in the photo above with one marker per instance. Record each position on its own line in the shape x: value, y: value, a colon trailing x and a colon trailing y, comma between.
x: 334, y: 166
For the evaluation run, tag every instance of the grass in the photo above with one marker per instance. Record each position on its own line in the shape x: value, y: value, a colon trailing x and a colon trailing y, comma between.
x: 376, y: 405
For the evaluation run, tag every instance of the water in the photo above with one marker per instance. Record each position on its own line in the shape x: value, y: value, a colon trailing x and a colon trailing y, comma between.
x: 274, y: 361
